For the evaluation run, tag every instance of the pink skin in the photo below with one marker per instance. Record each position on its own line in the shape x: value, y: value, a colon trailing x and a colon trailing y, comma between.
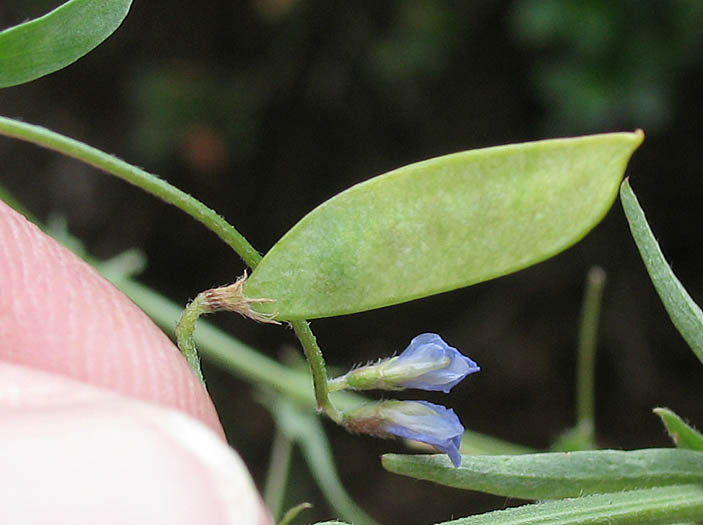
x: 93, y: 398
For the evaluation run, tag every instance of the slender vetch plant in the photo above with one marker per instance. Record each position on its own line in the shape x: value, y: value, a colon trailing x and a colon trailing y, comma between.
x: 420, y: 230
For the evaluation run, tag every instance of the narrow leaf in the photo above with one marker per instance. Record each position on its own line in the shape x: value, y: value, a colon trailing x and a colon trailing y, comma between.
x: 683, y: 435
x: 49, y: 43
x: 303, y: 426
x: 291, y: 514
x: 654, y: 505
x: 683, y: 311
x: 556, y: 475
x: 442, y: 224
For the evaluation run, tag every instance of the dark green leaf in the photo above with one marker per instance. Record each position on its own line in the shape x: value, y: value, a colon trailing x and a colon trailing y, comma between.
x: 442, y: 224
x: 49, y: 43
x: 683, y: 311
x: 556, y: 475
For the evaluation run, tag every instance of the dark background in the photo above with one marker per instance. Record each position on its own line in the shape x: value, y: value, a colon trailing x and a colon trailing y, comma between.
x: 263, y: 109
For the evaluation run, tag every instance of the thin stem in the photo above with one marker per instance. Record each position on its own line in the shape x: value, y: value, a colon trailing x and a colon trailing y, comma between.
x: 185, y: 327
x: 587, y: 342
x: 144, y: 180
x: 317, y: 368
x: 205, y: 215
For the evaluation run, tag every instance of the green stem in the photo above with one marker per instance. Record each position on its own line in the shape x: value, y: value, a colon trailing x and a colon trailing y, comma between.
x: 205, y: 215
x: 588, y: 335
x: 185, y: 327
x: 317, y: 368
x: 140, y: 178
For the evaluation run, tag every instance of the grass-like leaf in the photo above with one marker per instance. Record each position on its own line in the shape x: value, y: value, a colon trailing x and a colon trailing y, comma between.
x: 303, y: 426
x: 683, y: 435
x: 293, y: 513
x: 556, y: 475
x: 677, y: 503
x: 442, y: 224
x: 683, y: 311
x: 49, y: 43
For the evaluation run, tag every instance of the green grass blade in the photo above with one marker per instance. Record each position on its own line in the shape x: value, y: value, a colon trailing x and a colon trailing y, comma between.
x: 59, y: 38
x: 442, y: 224
x: 293, y: 513
x: 278, y: 474
x: 683, y: 435
x: 646, y: 506
x: 303, y: 426
x: 556, y: 475
x: 683, y: 311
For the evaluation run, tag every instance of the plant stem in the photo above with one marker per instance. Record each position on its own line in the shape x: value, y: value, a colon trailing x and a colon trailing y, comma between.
x: 196, y: 209
x: 587, y: 342
x: 317, y: 368
x: 185, y: 327
x: 140, y: 178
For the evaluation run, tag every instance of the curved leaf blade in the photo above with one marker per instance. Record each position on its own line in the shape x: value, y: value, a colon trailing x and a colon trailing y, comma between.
x: 59, y: 38
x: 683, y: 311
x: 442, y: 224
x: 682, y: 434
x: 655, y: 505
x: 556, y: 475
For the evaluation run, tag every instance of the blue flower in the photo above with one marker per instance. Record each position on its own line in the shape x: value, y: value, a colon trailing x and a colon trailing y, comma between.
x: 435, y: 425
x: 428, y: 363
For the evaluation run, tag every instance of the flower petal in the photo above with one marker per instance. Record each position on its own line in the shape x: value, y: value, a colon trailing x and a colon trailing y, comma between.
x: 428, y: 423
x: 438, y: 365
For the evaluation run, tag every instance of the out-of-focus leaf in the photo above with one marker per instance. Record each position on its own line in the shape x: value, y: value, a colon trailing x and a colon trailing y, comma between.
x: 278, y: 473
x: 477, y: 444
x: 683, y: 311
x: 442, y: 224
x: 683, y: 435
x: 291, y: 514
x: 579, y: 437
x: 49, y: 43
x: 556, y: 475
x: 303, y: 426
x: 13, y: 203
x: 654, y: 505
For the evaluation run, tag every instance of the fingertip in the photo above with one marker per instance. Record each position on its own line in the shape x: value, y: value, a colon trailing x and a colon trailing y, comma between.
x: 76, y: 454
x: 57, y: 314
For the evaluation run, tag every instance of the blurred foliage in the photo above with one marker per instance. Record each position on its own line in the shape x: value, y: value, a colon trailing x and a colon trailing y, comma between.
x: 597, y: 58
